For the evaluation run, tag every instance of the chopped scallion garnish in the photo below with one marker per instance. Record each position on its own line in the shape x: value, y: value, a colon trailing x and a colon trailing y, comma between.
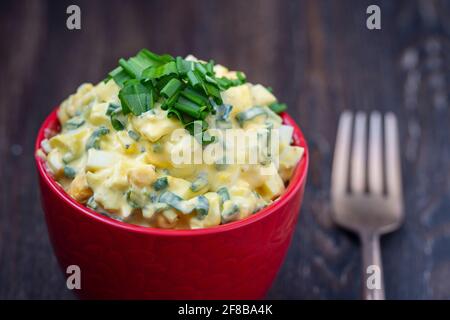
x: 111, y: 108
x: 171, y: 88
x: 160, y: 184
x: 190, y: 108
x: 134, y: 199
x: 194, y: 96
x: 200, y: 182
x: 172, y: 200
x: 230, y: 213
x: 134, y: 135
x: 74, y: 123
x: 91, y: 203
x: 223, y: 194
x: 189, y: 90
x: 192, y: 79
x: 135, y: 98
x: 69, y: 172
x: 94, y: 140
x: 202, y: 207
x: 249, y: 114
x: 278, y: 107
x: 167, y: 69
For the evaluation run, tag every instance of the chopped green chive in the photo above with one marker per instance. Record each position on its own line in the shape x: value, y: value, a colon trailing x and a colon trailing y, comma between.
x: 74, y: 123
x: 202, y: 207
x: 119, y: 75
x: 207, y: 138
x: 194, y: 96
x: 172, y: 200
x: 91, y: 203
x: 116, y: 123
x: 249, y: 114
x: 225, y: 83
x: 183, y: 66
x: 134, y: 199
x: 278, y: 107
x: 241, y: 76
x: 172, y: 87
x: 196, y: 127
x: 190, y: 108
x: 230, y: 213
x: 135, y: 98
x: 160, y: 184
x: 134, y: 135
x: 183, y: 117
x: 212, y: 90
x: 117, y: 118
x: 200, y: 68
x: 94, y: 140
x: 170, y: 102
x: 132, y: 72
x: 112, y: 108
x: 167, y: 69
x: 223, y: 112
x: 190, y: 89
x: 192, y: 79
x: 69, y: 172
x: 200, y: 182
x: 223, y: 194
x: 210, y: 67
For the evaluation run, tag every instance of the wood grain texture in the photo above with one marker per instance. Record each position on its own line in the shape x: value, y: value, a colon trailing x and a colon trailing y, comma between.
x: 318, y: 56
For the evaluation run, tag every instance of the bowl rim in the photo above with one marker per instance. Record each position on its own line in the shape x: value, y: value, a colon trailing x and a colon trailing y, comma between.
x: 297, y: 180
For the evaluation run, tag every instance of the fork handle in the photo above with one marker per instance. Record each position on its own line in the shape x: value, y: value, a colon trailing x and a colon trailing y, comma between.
x: 373, y: 283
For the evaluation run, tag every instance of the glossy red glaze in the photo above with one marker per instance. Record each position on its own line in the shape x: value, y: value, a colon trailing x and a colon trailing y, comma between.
x: 238, y: 260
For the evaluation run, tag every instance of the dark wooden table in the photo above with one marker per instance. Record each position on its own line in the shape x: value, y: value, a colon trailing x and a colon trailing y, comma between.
x: 318, y: 56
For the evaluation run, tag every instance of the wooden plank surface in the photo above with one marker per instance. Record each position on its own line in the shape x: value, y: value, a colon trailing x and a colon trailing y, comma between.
x: 318, y: 56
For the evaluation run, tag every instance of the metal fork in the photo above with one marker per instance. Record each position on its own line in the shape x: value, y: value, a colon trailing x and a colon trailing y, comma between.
x: 371, y: 203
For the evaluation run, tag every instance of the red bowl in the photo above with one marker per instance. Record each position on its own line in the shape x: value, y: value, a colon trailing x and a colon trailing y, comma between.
x: 238, y: 260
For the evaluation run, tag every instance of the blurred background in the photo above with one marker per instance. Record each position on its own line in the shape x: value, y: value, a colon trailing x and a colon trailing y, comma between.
x: 319, y: 58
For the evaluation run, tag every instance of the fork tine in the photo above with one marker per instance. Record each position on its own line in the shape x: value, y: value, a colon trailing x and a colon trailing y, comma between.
x: 375, y: 160
x: 358, y: 177
x: 393, y: 169
x: 341, y: 154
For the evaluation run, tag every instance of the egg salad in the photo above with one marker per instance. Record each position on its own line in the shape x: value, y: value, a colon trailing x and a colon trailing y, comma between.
x: 115, y: 150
